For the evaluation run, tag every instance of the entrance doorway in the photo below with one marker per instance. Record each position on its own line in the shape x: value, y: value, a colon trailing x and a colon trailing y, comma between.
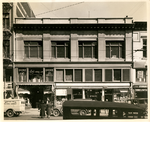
x: 36, y: 95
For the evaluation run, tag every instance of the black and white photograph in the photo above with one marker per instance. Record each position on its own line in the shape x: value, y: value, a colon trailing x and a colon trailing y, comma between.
x: 77, y: 60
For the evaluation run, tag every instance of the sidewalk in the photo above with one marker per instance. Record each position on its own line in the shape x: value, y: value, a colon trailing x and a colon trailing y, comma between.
x: 31, y: 111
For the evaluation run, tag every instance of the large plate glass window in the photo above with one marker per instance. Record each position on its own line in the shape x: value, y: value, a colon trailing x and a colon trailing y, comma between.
x: 33, y: 49
x: 126, y: 74
x: 117, y: 74
x: 60, y: 49
x: 115, y: 49
x: 108, y: 74
x: 88, y: 49
x: 77, y: 93
x: 48, y: 74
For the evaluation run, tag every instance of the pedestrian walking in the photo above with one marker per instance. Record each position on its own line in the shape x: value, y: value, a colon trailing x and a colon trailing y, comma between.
x: 48, y: 109
x: 42, y: 109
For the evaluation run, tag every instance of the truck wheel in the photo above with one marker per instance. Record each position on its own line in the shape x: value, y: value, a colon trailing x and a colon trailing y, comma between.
x: 56, y: 112
x: 10, y: 113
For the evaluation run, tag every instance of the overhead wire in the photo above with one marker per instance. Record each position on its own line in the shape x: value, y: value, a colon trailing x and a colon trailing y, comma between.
x: 59, y: 8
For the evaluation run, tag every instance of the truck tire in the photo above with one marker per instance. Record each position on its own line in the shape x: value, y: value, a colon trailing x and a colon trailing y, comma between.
x: 10, y: 113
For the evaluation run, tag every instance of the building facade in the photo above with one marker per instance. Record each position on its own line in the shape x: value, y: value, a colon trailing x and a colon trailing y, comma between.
x: 75, y: 57
x: 10, y: 12
x: 140, y: 74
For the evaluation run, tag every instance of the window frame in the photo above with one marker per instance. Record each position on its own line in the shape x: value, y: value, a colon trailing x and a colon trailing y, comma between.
x: 121, y: 75
x: 144, y: 74
x: 29, y: 49
x: 121, y: 49
x: 92, y: 45
x: 144, y: 49
x: 56, y: 45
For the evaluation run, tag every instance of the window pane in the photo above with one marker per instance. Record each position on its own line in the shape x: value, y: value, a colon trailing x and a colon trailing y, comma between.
x: 59, y: 75
x: 49, y: 74
x: 35, y: 43
x: 22, y: 75
x: 78, y: 74
x: 67, y: 52
x: 108, y: 52
x: 40, y: 52
x: 53, y: 52
x: 126, y: 75
x: 88, y: 75
x: 88, y: 52
x: 33, y: 52
x: 141, y: 76
x: 26, y: 51
x: 115, y: 51
x: 69, y: 75
x: 60, y: 52
x: 108, y: 75
x: 117, y: 74
x: 80, y: 52
x: 98, y: 75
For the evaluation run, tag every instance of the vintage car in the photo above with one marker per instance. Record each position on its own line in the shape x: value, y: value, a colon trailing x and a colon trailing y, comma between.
x: 13, y: 107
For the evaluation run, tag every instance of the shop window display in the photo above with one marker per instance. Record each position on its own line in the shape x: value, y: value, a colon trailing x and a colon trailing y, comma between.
x: 77, y: 93
x: 36, y: 75
x: 93, y: 94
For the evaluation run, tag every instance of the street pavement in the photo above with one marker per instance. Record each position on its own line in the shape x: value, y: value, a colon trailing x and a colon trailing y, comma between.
x: 32, y: 114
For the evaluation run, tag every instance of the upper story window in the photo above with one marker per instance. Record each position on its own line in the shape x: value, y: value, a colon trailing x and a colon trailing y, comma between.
x: 115, y: 49
x: 60, y: 49
x: 33, y: 49
x: 140, y: 75
x: 117, y: 75
x: 6, y: 20
x: 6, y: 48
x: 88, y: 49
x: 144, y: 47
x: 49, y: 74
x: 22, y: 74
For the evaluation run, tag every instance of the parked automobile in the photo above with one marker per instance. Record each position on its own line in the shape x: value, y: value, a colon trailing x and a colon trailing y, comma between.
x: 13, y: 107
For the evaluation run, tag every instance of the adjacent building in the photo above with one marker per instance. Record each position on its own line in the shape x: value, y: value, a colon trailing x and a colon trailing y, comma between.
x: 10, y: 12
x: 140, y: 73
x: 74, y: 58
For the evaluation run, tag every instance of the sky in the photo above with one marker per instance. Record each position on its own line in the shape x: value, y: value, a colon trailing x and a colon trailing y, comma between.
x: 85, y: 9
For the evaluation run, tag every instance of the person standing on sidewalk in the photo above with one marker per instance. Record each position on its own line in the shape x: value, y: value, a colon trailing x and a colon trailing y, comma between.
x: 48, y: 108
x: 42, y: 109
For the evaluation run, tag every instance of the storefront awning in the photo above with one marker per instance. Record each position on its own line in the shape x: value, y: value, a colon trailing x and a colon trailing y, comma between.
x: 23, y: 91
x: 140, y: 64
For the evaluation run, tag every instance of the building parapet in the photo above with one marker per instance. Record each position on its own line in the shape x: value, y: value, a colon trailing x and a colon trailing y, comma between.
x: 126, y: 20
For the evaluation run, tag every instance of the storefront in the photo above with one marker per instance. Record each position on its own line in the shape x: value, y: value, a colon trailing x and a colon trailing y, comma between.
x: 140, y: 91
x: 119, y: 93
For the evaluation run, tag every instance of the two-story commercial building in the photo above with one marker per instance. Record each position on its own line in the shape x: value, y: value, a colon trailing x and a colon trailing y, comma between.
x: 76, y: 57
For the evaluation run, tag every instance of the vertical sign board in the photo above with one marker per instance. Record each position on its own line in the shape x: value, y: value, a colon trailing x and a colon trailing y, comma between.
x: 61, y: 92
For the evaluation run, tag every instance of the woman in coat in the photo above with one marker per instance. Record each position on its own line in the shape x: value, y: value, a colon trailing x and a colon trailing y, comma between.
x: 48, y: 109
x: 42, y: 109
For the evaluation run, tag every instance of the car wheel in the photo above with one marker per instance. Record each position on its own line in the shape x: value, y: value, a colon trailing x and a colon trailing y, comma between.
x: 10, y: 113
x: 82, y: 112
x: 56, y: 112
